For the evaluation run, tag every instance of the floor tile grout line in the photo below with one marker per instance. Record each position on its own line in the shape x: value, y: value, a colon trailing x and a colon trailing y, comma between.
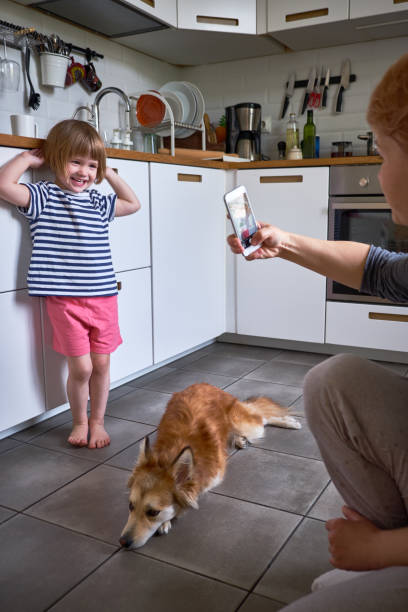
x: 275, y: 556
x: 93, y: 467
x: 70, y: 529
x: 115, y: 552
x: 187, y: 569
x: 255, y: 503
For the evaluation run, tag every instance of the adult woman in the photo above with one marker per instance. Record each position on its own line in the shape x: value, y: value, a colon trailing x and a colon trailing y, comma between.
x: 357, y: 410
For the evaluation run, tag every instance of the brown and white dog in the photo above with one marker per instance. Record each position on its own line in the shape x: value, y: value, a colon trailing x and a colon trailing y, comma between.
x: 190, y: 454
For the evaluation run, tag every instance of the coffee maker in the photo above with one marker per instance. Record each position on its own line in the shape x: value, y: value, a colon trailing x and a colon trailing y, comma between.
x: 244, y: 130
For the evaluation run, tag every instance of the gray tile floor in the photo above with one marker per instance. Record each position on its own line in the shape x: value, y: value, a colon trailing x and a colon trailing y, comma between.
x: 256, y: 542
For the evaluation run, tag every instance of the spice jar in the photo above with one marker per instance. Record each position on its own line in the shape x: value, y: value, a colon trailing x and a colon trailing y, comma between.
x: 342, y: 148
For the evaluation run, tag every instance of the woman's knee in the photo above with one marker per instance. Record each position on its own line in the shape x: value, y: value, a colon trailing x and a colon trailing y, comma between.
x: 326, y: 379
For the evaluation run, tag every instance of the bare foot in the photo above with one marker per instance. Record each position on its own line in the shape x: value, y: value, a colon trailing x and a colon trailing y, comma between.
x: 79, y: 435
x: 98, y: 436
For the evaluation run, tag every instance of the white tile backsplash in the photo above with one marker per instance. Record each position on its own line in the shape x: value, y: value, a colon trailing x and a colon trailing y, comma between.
x: 259, y: 80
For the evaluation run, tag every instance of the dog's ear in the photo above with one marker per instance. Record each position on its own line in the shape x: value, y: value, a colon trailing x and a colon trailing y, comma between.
x: 183, y: 466
x: 144, y: 452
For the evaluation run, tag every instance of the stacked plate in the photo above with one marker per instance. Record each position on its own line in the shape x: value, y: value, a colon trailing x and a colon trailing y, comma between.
x: 187, y: 104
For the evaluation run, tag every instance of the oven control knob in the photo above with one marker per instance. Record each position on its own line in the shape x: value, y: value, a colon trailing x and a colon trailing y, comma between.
x: 363, y: 182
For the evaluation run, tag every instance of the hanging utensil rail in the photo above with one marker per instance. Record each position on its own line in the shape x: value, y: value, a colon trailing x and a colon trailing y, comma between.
x: 18, y: 36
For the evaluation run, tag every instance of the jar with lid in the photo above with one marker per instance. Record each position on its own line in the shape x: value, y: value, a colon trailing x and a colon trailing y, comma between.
x: 292, y: 134
x: 342, y: 148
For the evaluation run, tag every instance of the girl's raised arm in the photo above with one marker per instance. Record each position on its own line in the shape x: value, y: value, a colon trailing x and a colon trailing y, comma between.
x: 10, y: 173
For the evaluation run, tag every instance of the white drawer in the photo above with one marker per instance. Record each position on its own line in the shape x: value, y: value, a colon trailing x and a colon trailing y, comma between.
x: 367, y: 325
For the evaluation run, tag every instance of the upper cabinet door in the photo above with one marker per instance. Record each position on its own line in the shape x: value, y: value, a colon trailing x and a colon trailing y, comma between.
x: 362, y: 8
x: 218, y: 15
x: 164, y: 10
x: 289, y: 14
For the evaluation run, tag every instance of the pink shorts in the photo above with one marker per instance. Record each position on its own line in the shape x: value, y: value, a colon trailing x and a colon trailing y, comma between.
x: 84, y: 325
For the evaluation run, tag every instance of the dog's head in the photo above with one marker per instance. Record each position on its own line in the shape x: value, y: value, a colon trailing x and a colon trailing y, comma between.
x: 157, y: 494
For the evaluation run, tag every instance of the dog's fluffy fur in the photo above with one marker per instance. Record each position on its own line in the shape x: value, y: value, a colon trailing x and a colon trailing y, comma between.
x: 190, y: 454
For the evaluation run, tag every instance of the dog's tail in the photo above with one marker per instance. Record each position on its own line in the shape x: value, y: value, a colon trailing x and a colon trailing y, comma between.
x: 266, y: 408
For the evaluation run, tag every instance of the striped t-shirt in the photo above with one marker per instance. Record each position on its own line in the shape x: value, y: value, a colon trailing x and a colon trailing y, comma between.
x: 71, y: 254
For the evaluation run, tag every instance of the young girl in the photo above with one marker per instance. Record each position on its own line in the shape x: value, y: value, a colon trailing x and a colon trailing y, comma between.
x: 71, y: 262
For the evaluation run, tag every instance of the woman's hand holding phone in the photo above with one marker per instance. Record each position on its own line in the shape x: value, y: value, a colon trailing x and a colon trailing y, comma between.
x: 269, y: 239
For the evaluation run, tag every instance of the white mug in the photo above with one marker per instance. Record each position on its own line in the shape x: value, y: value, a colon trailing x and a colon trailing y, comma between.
x: 24, y: 125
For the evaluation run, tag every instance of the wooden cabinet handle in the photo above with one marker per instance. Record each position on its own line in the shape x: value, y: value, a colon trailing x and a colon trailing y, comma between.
x: 385, y: 316
x: 307, y: 15
x: 189, y: 178
x: 119, y: 285
x: 227, y: 21
x: 291, y: 178
x: 151, y: 3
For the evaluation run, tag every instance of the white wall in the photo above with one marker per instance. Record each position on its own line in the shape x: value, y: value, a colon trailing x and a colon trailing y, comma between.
x: 121, y: 67
x: 262, y: 80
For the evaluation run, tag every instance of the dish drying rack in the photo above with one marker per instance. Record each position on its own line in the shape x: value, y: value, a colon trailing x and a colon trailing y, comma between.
x: 170, y: 123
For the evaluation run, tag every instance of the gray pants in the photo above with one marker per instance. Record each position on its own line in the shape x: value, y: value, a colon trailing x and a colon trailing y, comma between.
x: 358, y: 413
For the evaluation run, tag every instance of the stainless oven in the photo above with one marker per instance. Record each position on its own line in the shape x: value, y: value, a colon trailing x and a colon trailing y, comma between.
x: 358, y: 212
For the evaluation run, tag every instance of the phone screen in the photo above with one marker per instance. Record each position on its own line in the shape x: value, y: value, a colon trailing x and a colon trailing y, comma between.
x: 242, y: 216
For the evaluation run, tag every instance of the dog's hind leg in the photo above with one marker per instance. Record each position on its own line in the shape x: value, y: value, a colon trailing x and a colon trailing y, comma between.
x: 246, y: 424
x: 272, y: 413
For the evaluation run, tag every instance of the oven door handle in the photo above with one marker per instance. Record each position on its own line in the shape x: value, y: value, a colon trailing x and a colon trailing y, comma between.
x: 359, y: 205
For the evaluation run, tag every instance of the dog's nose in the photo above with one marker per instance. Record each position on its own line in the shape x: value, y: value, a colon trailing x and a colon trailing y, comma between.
x: 125, y: 541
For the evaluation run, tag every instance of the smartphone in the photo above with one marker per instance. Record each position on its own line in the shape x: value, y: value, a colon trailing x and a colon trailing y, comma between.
x: 242, y: 217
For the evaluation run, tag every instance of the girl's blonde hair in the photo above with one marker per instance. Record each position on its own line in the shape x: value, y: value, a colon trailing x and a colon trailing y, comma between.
x: 388, y: 106
x: 71, y: 138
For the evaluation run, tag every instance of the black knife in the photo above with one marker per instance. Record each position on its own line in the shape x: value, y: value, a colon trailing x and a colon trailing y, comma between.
x: 309, y: 89
x: 344, y: 84
x: 288, y: 94
x: 326, y: 88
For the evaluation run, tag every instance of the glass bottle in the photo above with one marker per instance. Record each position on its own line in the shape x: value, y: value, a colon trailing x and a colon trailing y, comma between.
x: 292, y: 133
x: 309, y: 136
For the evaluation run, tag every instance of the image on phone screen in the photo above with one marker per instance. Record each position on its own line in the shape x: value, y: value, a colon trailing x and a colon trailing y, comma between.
x: 242, y: 217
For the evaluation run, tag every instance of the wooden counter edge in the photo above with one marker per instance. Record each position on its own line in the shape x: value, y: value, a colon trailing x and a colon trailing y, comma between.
x: 9, y: 140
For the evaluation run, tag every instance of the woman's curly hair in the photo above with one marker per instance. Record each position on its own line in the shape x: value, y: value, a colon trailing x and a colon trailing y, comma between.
x: 388, y: 106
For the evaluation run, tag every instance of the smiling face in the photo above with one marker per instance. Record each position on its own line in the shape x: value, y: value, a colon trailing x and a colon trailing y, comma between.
x: 80, y: 174
x: 393, y: 176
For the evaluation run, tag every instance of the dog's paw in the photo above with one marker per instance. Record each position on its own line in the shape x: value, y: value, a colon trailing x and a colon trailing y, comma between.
x: 241, y: 442
x: 292, y: 423
x: 164, y: 528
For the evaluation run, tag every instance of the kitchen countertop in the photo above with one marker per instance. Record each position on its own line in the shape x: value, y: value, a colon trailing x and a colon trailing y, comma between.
x: 8, y: 140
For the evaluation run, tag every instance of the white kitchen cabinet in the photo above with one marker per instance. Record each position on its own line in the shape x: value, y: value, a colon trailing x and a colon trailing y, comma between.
x: 289, y: 14
x: 362, y: 8
x: 367, y: 325
x: 163, y: 10
x: 276, y: 298
x: 188, y: 257
x: 135, y: 321
x: 219, y: 16
x: 130, y: 235
x: 15, y: 240
x: 21, y: 372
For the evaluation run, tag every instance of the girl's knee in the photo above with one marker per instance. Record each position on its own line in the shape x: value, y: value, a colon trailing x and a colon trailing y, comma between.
x: 80, y: 371
x: 100, y: 363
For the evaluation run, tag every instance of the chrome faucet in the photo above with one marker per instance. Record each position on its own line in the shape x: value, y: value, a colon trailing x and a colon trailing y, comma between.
x: 89, y: 110
x: 102, y: 94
